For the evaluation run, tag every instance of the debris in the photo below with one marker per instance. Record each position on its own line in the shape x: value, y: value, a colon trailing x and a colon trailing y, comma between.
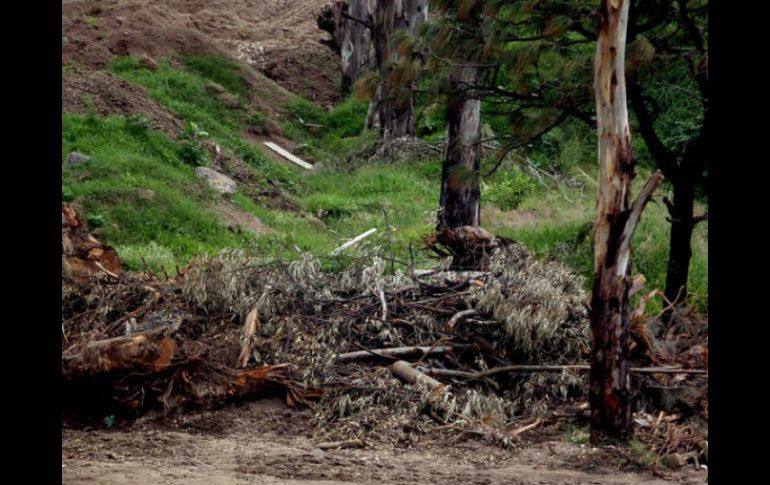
x: 354, y: 241
x: 287, y: 155
x: 82, y: 254
x: 152, y: 351
x: 398, y: 352
x: 404, y: 371
x: 354, y: 443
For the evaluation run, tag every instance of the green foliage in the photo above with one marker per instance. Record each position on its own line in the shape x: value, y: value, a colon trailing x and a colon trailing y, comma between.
x: 147, y: 257
x: 576, y: 436
x: 508, y: 189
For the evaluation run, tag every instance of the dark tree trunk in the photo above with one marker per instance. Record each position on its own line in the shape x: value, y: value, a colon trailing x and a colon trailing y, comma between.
x: 347, y: 21
x: 616, y: 221
x: 680, y: 251
x: 460, y: 199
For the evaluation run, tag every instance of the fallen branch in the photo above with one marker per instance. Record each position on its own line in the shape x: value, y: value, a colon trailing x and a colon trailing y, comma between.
x: 526, y: 428
x: 354, y: 443
x: 450, y: 326
x: 288, y: 155
x: 550, y: 368
x: 404, y: 371
x: 354, y: 241
x: 400, y: 352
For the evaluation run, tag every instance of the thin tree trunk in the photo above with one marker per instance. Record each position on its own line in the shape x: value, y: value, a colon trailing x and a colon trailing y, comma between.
x: 680, y: 250
x: 459, y: 203
x: 616, y: 220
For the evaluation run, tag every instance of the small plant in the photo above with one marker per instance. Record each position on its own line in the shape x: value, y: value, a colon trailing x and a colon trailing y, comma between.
x: 92, y: 22
x: 640, y: 454
x: 151, y: 256
x: 577, y: 436
x: 192, y: 151
x: 67, y: 195
x: 509, y: 190
x: 94, y: 221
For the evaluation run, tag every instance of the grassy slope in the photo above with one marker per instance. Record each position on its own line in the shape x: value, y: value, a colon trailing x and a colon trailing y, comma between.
x: 178, y: 221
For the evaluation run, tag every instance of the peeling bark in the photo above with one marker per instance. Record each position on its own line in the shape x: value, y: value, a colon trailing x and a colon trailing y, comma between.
x: 616, y: 221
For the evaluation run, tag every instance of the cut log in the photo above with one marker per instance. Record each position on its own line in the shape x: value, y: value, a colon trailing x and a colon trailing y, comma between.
x: 148, y: 352
x: 404, y: 371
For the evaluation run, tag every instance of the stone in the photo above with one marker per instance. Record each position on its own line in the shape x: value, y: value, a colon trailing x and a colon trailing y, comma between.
x: 218, y: 181
x: 76, y: 158
x: 674, y: 460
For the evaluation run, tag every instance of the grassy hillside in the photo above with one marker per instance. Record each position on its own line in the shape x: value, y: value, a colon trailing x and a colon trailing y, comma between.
x: 140, y: 190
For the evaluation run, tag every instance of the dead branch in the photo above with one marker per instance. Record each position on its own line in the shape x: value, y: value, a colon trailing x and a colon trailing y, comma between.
x: 401, y: 352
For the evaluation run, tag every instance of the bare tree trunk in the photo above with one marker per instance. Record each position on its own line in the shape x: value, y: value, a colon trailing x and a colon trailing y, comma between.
x: 347, y: 21
x: 616, y: 220
x: 459, y: 203
x: 394, y: 105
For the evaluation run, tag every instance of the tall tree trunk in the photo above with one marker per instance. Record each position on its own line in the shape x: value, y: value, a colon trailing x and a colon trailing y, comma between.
x: 616, y: 220
x: 680, y: 250
x: 459, y: 203
x: 394, y: 110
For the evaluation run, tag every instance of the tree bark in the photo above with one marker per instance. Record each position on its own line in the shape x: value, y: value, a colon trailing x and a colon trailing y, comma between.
x: 347, y: 21
x: 616, y: 221
x: 459, y: 203
x: 151, y: 351
x: 394, y: 109
x: 680, y: 249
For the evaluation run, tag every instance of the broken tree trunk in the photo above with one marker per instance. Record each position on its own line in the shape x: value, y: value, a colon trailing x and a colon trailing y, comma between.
x: 348, y: 23
x: 616, y: 220
x: 459, y: 203
x: 151, y: 351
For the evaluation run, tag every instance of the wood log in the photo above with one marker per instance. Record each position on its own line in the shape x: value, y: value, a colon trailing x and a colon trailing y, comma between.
x: 404, y: 371
x: 250, y: 326
x: 149, y: 352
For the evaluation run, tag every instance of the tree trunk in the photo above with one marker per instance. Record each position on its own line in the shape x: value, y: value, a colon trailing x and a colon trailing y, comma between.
x: 459, y: 203
x: 351, y: 37
x: 394, y: 105
x: 616, y: 220
x: 680, y: 250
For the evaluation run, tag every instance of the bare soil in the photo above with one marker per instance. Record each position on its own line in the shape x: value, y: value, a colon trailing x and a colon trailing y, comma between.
x: 266, y: 442
x: 278, y: 37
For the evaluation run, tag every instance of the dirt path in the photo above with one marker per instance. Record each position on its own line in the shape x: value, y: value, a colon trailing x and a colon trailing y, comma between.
x: 265, y: 442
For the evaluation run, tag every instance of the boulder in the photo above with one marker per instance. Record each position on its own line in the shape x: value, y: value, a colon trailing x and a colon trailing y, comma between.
x: 76, y: 158
x: 218, y: 181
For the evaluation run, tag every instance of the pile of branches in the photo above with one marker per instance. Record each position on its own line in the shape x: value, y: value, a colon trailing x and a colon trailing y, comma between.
x: 373, y: 350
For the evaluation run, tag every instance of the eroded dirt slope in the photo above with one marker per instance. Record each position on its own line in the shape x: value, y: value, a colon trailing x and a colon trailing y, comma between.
x: 278, y: 37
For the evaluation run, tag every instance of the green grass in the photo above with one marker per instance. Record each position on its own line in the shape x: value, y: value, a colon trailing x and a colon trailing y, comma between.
x: 177, y: 222
x: 137, y: 191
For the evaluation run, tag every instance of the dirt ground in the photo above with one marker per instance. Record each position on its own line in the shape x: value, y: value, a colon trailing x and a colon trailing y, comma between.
x: 278, y: 37
x: 266, y: 442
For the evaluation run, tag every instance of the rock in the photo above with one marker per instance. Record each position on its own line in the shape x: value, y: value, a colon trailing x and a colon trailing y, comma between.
x: 76, y: 158
x: 220, y: 182
x: 148, y: 62
x: 674, y: 460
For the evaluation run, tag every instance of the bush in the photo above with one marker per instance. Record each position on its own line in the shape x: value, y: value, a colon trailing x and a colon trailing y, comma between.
x: 153, y: 255
x: 509, y: 189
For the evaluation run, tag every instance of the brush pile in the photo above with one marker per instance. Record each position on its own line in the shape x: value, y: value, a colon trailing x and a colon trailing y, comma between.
x: 485, y: 339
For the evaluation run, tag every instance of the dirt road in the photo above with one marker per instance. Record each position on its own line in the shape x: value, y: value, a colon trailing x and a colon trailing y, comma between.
x: 265, y: 442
